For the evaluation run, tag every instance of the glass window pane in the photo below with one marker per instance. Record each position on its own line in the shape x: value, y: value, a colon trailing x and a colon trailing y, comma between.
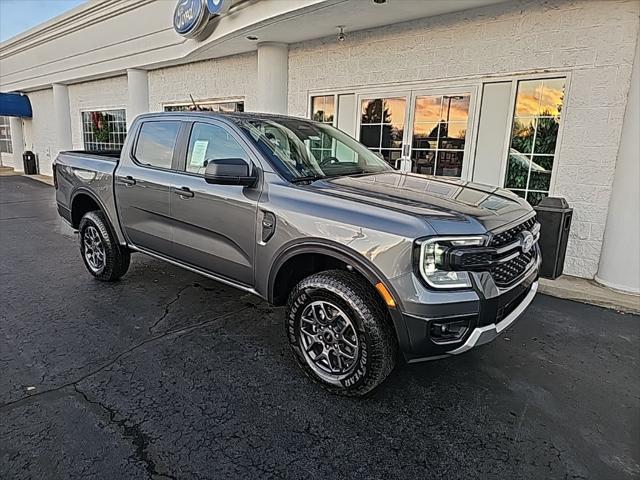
x: 534, y: 198
x: 371, y: 111
x: 520, y: 193
x: 392, y: 136
x: 535, y: 131
x: 156, y: 142
x: 452, y: 135
x: 104, y: 130
x: 546, y: 135
x: 449, y: 164
x: 517, y: 171
x: 428, y: 109
x: 522, y: 136
x: 329, y: 109
x: 528, y: 98
x: 425, y: 135
x: 323, y: 108
x: 370, y: 135
x: 540, y: 173
x: 394, y: 110
x: 391, y: 156
x: 423, y: 161
x: 455, y: 107
x: 551, y: 97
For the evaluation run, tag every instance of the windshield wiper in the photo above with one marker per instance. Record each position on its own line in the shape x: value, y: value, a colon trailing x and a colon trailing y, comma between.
x: 308, y: 178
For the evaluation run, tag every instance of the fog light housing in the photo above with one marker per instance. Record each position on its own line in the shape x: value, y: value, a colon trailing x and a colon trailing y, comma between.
x: 450, y: 330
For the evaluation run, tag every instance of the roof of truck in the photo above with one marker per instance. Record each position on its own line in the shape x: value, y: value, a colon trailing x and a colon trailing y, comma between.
x: 236, y: 115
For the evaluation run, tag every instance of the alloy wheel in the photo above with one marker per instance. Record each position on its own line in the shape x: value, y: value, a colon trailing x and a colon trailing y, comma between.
x: 329, y: 340
x: 94, y: 251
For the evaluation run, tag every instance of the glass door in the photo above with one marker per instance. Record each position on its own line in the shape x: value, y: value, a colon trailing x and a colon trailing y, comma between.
x: 382, y: 124
x: 419, y: 131
x: 440, y: 123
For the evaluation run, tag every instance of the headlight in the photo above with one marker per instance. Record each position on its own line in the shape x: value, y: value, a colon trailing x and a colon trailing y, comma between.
x: 432, y: 261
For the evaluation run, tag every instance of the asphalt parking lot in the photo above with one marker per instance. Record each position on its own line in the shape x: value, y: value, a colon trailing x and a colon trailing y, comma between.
x: 166, y: 374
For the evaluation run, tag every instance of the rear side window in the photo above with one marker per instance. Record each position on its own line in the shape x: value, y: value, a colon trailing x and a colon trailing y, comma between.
x: 156, y: 143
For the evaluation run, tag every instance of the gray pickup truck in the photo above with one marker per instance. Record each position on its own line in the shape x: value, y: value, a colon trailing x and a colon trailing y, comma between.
x: 370, y: 262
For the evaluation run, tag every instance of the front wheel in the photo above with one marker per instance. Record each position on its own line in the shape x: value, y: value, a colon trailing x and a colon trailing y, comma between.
x: 339, y: 332
x: 102, y: 255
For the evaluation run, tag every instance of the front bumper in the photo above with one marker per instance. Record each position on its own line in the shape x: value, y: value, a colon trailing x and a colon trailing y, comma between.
x: 482, y: 335
x: 487, y: 309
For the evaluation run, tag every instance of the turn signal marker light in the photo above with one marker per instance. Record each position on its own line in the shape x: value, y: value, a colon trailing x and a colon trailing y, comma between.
x: 386, y: 295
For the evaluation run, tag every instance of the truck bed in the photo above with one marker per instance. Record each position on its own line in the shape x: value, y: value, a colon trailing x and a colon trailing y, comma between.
x: 79, y: 172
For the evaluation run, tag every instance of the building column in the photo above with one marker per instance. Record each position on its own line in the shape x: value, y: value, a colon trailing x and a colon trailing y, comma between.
x: 62, y: 109
x: 273, y: 75
x: 138, y: 88
x: 620, y: 257
x: 17, y: 141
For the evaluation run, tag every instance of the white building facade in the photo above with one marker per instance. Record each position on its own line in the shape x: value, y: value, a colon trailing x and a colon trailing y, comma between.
x: 532, y: 96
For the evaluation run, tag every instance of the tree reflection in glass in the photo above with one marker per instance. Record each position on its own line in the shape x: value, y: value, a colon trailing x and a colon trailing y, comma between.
x: 534, y: 136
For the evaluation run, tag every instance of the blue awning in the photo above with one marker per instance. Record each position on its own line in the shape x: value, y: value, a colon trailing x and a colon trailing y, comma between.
x: 15, y: 105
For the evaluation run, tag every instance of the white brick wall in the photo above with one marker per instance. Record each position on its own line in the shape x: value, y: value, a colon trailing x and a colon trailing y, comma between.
x: 104, y: 94
x: 593, y: 41
x: 211, y: 79
x: 39, y: 131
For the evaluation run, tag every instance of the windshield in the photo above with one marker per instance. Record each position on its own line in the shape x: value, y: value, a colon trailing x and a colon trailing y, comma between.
x: 303, y: 150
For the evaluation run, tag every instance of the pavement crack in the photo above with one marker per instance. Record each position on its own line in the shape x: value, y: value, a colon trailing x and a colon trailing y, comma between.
x: 132, y: 431
x: 177, y: 331
x: 167, y: 307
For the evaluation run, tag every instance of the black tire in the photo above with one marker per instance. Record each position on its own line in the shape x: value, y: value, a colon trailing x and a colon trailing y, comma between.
x: 355, y: 297
x: 115, y: 258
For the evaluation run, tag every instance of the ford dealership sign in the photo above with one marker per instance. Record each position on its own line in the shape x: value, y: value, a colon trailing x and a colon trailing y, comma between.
x: 218, y: 7
x: 191, y: 17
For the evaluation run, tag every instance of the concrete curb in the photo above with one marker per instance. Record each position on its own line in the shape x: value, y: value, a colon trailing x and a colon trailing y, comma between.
x: 588, y: 291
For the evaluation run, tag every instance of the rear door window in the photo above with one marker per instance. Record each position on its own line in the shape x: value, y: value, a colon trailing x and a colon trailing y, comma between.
x: 156, y: 143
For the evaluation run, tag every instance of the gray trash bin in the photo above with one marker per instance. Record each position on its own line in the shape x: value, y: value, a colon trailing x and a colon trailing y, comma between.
x: 554, y: 215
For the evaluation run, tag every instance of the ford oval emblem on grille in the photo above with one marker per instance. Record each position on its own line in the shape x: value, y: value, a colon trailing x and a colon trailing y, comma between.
x: 526, y: 241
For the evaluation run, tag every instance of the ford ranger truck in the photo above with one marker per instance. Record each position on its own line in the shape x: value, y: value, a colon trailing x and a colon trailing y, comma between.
x: 372, y: 264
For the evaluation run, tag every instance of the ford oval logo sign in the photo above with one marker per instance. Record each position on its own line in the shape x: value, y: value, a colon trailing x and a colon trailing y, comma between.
x: 218, y: 7
x: 190, y: 17
x: 526, y: 241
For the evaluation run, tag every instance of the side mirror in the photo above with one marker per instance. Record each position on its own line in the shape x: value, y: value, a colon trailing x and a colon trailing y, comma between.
x: 229, y: 171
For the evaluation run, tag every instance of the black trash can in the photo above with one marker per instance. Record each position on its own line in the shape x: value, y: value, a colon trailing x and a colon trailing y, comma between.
x: 554, y: 215
x: 29, y: 163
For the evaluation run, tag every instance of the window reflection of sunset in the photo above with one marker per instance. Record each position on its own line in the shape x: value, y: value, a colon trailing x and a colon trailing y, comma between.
x: 537, y: 98
x: 396, y: 109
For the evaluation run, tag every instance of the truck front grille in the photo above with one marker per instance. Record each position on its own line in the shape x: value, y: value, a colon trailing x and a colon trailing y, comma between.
x: 509, y: 236
x: 504, y: 274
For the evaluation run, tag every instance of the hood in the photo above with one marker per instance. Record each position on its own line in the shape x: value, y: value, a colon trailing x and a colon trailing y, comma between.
x: 450, y: 206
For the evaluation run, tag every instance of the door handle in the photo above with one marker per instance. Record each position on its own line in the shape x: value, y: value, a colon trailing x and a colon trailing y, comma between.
x: 128, y: 180
x: 184, y: 192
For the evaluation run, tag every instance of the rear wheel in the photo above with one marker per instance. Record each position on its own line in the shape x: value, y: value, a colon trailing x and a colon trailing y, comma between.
x: 102, y: 255
x: 339, y: 332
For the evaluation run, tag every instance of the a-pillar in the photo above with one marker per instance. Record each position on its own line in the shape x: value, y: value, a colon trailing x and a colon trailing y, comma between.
x: 273, y: 73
